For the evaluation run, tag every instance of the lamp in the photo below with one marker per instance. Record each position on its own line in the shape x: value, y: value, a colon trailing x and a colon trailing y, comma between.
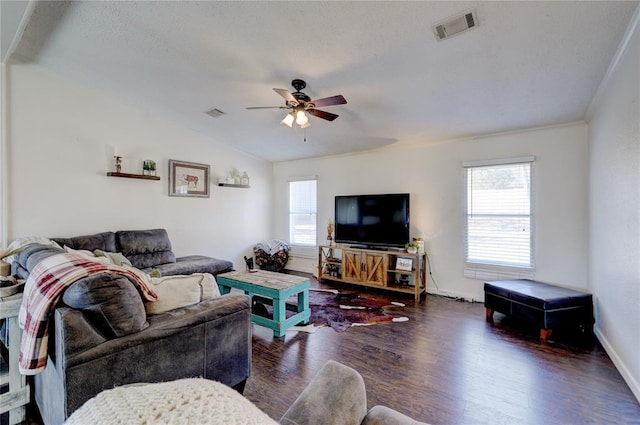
x: 287, y: 120
x: 301, y: 118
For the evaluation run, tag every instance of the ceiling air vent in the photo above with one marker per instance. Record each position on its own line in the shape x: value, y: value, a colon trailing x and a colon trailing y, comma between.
x: 215, y: 112
x: 456, y: 25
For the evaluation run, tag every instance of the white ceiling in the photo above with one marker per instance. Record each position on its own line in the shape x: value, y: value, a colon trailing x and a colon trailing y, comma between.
x: 527, y: 64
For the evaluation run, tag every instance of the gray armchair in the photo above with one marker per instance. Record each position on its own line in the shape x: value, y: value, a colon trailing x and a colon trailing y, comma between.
x: 337, y: 396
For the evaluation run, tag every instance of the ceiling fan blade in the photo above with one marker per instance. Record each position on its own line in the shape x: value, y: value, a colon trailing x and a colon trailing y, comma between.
x: 322, y: 114
x: 267, y: 107
x: 287, y: 96
x: 329, y: 101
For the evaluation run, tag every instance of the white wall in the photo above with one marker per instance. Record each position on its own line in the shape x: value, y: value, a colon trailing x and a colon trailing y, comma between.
x: 434, y: 177
x: 61, y: 141
x: 614, y: 254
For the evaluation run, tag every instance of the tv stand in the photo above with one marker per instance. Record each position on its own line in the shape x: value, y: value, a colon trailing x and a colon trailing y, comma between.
x: 390, y: 270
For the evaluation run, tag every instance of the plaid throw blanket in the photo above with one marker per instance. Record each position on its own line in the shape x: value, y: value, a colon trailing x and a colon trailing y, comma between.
x: 43, y: 288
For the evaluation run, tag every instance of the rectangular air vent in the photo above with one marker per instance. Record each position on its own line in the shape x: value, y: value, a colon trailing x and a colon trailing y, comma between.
x: 215, y: 112
x: 456, y: 25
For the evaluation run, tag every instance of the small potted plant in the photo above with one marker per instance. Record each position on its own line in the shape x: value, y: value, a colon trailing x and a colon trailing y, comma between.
x: 412, y: 247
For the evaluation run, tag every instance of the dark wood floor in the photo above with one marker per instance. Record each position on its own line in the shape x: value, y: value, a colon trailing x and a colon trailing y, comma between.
x: 446, y: 365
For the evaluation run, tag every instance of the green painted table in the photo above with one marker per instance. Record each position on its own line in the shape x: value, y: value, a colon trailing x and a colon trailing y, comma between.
x: 274, y: 286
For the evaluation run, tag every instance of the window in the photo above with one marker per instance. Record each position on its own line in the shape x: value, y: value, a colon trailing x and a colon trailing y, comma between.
x: 302, y: 212
x: 499, y: 217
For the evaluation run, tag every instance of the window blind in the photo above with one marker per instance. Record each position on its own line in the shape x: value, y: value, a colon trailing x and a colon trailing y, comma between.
x: 302, y: 212
x: 499, y: 214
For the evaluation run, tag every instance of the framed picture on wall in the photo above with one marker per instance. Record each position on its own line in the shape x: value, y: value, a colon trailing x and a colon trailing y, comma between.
x: 404, y: 264
x: 188, y: 179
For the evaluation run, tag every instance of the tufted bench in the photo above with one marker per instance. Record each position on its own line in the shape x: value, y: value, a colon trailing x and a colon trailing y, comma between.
x: 547, y: 306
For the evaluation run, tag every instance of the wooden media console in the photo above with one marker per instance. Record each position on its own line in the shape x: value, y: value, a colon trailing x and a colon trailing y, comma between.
x: 391, y: 270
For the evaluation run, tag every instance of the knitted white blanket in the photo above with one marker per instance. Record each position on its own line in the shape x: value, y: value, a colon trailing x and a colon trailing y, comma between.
x: 186, y: 401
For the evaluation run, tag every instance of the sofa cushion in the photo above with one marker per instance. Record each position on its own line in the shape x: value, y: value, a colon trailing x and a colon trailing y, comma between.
x: 145, y: 248
x: 110, y: 302
x: 180, y: 291
x: 105, y: 241
x: 193, y: 264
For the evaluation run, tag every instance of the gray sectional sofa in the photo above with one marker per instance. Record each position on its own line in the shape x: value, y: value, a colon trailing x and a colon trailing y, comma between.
x: 101, y: 337
x: 146, y: 249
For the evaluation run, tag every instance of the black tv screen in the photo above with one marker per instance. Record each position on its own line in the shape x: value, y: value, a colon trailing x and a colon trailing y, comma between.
x: 373, y: 220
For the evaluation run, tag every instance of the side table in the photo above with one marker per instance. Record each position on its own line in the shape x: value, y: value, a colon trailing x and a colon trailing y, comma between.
x: 15, y: 400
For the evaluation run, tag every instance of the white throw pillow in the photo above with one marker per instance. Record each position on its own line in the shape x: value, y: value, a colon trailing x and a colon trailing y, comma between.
x: 185, y: 401
x: 181, y: 291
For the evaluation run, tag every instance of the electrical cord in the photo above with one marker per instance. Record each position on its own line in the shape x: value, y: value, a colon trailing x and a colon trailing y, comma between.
x: 431, y: 274
x: 433, y: 279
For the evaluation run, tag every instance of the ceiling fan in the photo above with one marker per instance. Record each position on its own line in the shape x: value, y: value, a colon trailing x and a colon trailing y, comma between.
x: 300, y: 104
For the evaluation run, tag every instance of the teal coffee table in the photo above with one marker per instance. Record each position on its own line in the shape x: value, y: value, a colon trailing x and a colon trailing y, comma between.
x: 276, y: 288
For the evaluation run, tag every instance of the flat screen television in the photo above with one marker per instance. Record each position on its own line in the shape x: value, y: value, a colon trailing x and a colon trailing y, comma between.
x: 372, y: 220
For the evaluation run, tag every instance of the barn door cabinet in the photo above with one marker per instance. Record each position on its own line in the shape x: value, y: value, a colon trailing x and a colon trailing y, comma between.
x: 391, y: 270
x: 368, y: 268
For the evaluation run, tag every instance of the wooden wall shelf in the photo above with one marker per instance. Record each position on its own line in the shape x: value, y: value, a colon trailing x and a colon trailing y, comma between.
x: 245, y: 186
x: 133, y: 176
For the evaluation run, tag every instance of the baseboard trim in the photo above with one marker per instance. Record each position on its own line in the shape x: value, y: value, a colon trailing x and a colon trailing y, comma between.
x: 302, y: 269
x: 472, y: 298
x: 633, y: 384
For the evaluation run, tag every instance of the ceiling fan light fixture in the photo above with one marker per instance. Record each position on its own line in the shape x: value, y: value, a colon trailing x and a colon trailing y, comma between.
x: 301, y: 118
x: 299, y: 104
x: 288, y: 120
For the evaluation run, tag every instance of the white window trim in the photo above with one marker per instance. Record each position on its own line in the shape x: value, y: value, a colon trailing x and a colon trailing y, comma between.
x: 503, y: 161
x: 481, y: 271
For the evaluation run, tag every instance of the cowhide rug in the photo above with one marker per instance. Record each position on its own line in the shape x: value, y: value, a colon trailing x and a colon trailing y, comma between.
x: 341, y: 311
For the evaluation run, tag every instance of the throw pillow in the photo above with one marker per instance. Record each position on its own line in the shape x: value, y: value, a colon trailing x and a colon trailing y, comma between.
x: 181, y: 291
x: 184, y: 401
x: 110, y: 302
x: 116, y: 258
x: 82, y: 252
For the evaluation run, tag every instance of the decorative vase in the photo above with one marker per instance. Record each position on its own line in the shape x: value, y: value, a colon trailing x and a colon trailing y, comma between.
x: 330, y: 228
